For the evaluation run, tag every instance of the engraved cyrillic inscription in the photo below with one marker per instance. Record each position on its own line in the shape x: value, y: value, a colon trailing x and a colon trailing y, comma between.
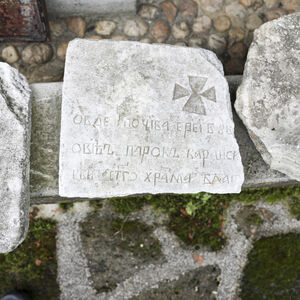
x: 132, y: 123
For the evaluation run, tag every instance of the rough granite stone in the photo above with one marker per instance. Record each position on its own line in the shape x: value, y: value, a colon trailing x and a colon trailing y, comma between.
x: 15, y: 126
x: 155, y: 119
x: 268, y: 100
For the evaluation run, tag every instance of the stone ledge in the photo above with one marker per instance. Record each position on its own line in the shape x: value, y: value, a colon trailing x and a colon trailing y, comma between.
x: 46, y: 108
x: 90, y: 7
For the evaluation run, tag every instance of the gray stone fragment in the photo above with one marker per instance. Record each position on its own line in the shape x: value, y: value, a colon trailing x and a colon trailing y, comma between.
x: 125, y: 128
x: 15, y: 121
x: 268, y: 100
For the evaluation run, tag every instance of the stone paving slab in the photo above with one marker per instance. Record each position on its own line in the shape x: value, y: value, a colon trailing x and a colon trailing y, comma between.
x: 45, y: 146
x: 169, y: 268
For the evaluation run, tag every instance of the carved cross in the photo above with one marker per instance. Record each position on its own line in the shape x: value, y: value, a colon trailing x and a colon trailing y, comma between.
x: 195, y: 103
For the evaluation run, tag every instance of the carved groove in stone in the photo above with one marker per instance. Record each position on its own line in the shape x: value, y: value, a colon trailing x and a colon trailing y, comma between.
x: 180, y: 92
x: 195, y: 102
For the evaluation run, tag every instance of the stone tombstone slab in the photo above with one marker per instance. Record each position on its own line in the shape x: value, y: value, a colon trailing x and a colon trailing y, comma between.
x: 15, y: 121
x: 139, y: 118
x: 268, y: 100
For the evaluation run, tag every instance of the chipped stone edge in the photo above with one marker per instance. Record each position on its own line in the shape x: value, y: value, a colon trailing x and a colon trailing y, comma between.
x: 239, y: 106
x: 20, y: 232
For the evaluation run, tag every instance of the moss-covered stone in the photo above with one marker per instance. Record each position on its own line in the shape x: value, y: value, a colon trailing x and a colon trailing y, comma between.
x: 294, y: 206
x: 198, y: 218
x: 96, y: 204
x: 65, y: 206
x: 32, y: 266
x: 249, y: 219
x: 116, y: 248
x: 273, y: 269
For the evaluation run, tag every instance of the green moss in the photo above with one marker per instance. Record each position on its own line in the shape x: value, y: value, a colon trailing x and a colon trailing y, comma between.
x: 192, y: 218
x: 273, y: 270
x: 96, y: 204
x: 270, y: 195
x: 254, y: 219
x: 294, y: 206
x: 65, y: 206
x: 32, y: 266
x: 198, y: 218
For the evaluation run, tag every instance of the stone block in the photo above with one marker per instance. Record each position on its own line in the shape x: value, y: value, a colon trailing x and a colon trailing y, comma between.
x: 268, y: 100
x: 15, y: 124
x: 139, y: 118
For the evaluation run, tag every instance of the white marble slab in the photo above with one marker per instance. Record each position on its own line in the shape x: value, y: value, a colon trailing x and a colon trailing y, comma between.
x: 139, y: 118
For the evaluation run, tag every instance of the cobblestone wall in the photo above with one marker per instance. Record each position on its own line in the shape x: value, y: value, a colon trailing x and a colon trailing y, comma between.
x: 224, y: 26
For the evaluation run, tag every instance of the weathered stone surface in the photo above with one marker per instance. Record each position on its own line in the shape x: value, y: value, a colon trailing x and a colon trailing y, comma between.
x: 15, y: 123
x: 105, y: 27
x: 237, y: 13
x: 211, y: 6
x: 10, y: 54
x: 37, y: 53
x: 57, y: 27
x: 291, y: 4
x: 222, y: 23
x: 268, y: 100
x: 169, y: 9
x: 271, y: 3
x: 62, y: 49
x: 188, y: 8
x: 247, y: 3
x: 196, y: 42
x: 160, y: 31
x: 148, y: 12
x: 50, y: 72
x: 254, y: 21
x: 202, y: 24
x: 275, y: 13
x: 180, y: 30
x: 77, y: 25
x: 135, y: 27
x: 135, y: 123
x: 236, y: 34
